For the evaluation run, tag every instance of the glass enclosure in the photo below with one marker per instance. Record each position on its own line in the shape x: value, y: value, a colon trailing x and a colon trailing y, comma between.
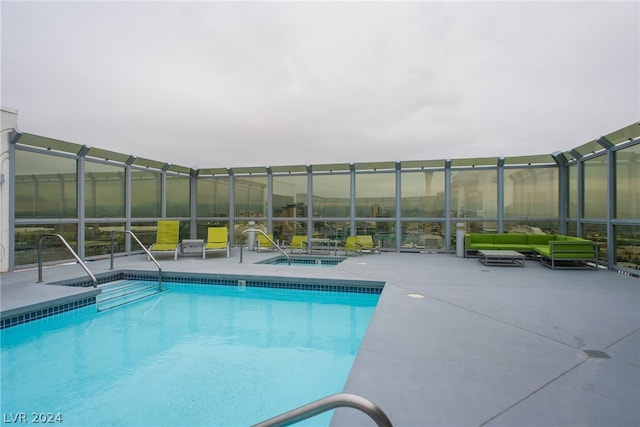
x: 251, y: 196
x: 474, y: 193
x: 405, y: 206
x: 595, y: 188
x: 289, y: 196
x: 627, y: 242
x: 27, y: 238
x: 98, y: 238
x: 45, y: 186
x: 178, y: 196
x: 627, y: 183
x: 376, y: 195
x: 332, y: 196
x: 104, y: 190
x: 212, y: 198
x: 531, y: 193
x: 146, y: 194
x: 422, y: 194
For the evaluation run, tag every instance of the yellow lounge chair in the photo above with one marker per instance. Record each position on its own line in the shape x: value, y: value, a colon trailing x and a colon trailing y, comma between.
x: 367, y: 245
x: 298, y: 243
x: 352, y: 245
x: 217, y: 240
x: 361, y: 245
x: 167, y: 238
x: 262, y: 243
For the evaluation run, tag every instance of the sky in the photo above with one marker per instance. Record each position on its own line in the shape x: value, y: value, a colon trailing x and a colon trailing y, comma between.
x: 230, y: 84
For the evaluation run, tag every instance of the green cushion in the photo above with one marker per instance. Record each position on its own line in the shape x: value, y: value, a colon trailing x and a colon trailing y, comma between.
x: 510, y: 238
x: 541, y: 248
x: 539, y: 239
x: 574, y: 255
x: 481, y: 238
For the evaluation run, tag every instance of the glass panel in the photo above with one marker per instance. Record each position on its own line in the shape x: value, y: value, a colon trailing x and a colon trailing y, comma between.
x: 104, y: 191
x: 290, y: 196
x: 481, y: 227
x: 595, y: 188
x: 625, y: 134
x: 485, y: 161
x: 45, y: 186
x: 145, y: 232
x: 597, y: 233
x: 251, y: 196
x: 530, y: 160
x: 589, y: 148
x: 381, y: 231
x: 531, y: 192
x: 422, y: 235
x: 628, y: 246
x: 99, y: 153
x: 627, y: 179
x: 572, y: 195
x: 531, y: 227
x: 331, y: 196
x: 285, y: 230
x: 49, y: 143
x: 98, y: 238
x: 376, y: 195
x: 474, y: 194
x: 28, y: 236
x: 422, y: 194
x: 146, y: 194
x: 213, y: 197
x: 178, y: 192
x: 331, y: 230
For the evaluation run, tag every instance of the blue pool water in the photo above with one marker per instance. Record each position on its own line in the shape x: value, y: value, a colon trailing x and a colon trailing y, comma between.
x: 304, y: 261
x: 193, y: 355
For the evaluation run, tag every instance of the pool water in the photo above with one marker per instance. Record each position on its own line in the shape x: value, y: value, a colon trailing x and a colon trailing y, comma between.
x: 305, y: 261
x: 193, y: 355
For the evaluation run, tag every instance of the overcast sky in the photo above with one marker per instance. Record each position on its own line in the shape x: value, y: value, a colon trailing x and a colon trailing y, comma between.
x: 223, y: 84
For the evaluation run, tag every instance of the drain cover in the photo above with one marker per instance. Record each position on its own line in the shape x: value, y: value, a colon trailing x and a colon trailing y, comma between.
x: 597, y: 354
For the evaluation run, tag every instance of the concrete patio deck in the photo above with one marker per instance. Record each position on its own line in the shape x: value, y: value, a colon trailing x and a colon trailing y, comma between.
x: 495, y: 346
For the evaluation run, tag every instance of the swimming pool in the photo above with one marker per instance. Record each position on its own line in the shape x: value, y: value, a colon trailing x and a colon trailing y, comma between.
x: 193, y: 355
x: 302, y: 260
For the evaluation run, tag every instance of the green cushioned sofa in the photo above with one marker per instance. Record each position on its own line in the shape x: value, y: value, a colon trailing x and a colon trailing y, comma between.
x: 553, y: 250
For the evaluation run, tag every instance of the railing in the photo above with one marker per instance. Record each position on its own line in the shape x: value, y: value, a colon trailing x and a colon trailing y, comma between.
x: 326, y: 404
x: 75, y: 255
x: 129, y: 232
x: 256, y: 230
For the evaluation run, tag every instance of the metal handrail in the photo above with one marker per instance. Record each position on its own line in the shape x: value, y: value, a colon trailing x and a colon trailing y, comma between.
x: 129, y: 232
x: 326, y: 404
x: 75, y: 255
x: 268, y: 238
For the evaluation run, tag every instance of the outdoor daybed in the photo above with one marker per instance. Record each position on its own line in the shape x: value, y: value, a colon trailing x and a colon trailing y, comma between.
x: 553, y: 250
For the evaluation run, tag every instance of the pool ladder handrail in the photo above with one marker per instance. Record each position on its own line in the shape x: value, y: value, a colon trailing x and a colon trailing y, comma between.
x: 151, y: 257
x: 326, y: 404
x: 68, y: 246
x: 257, y: 230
